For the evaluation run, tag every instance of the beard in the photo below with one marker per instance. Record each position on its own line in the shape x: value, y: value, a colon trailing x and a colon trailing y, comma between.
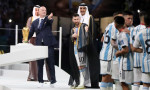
x: 76, y: 23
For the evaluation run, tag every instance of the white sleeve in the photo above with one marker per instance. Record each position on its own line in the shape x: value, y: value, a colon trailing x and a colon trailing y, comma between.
x: 114, y: 33
x: 136, y: 42
x: 131, y: 36
x: 104, y: 33
x: 124, y: 41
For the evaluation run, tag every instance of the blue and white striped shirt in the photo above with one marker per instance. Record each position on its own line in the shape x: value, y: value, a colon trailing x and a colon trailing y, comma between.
x: 143, y: 39
x: 75, y: 45
x: 137, y: 56
x: 123, y: 40
x: 106, y: 51
x: 115, y: 33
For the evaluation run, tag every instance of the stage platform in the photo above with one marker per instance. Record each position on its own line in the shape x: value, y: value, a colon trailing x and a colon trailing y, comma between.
x: 14, y: 77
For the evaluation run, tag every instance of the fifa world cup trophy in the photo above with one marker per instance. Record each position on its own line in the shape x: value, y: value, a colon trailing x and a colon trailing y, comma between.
x: 25, y: 32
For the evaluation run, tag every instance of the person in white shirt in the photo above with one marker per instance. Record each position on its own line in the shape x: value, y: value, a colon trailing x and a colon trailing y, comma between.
x: 115, y: 60
x: 143, y: 39
x: 106, y: 56
x: 137, y: 56
x: 124, y: 53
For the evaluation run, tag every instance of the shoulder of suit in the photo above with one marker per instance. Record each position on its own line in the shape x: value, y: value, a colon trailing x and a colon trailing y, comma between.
x: 46, y: 17
x: 35, y: 20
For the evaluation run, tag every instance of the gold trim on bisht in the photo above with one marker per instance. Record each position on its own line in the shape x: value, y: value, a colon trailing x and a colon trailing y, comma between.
x: 25, y: 33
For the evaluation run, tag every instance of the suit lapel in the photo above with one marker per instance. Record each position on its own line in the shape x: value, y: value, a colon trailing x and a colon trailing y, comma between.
x: 38, y: 23
x: 43, y: 24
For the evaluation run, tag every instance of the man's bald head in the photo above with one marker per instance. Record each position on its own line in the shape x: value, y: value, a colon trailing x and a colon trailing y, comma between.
x: 42, y: 11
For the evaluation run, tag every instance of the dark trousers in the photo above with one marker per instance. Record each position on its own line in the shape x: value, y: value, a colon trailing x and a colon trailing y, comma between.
x: 51, y: 65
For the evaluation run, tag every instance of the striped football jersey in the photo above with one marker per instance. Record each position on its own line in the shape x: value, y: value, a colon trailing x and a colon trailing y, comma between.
x: 143, y: 39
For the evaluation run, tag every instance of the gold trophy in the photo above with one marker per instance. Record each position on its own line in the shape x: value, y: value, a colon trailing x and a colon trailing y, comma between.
x: 1, y: 52
x: 25, y: 33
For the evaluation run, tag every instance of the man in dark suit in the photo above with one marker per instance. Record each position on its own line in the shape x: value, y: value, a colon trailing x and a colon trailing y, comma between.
x: 43, y: 29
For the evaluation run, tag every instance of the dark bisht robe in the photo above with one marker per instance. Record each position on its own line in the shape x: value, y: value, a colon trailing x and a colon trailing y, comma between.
x: 82, y: 47
x: 93, y: 57
x: 74, y: 71
x: 93, y: 60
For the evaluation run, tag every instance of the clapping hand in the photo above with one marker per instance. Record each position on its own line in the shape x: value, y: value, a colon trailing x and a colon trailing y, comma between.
x: 75, y: 35
x: 117, y: 53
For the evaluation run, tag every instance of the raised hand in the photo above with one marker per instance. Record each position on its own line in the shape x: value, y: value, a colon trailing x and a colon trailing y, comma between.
x: 50, y: 16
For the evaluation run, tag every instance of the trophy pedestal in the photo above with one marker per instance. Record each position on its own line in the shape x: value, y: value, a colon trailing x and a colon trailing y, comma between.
x: 20, y: 46
x: 23, y: 52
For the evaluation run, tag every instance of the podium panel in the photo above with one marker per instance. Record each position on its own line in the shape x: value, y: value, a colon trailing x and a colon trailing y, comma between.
x: 23, y: 53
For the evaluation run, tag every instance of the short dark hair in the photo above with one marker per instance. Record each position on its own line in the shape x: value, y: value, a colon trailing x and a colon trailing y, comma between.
x: 119, y: 21
x: 75, y: 15
x: 118, y: 12
x: 127, y: 13
x: 147, y: 20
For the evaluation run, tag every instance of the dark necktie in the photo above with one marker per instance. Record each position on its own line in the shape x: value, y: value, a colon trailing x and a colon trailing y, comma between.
x: 40, y: 26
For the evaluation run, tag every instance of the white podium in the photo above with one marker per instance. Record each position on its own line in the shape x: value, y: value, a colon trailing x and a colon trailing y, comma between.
x: 23, y: 52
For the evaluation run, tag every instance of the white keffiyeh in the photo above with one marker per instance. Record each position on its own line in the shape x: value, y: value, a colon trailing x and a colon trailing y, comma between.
x: 33, y: 13
x: 85, y: 18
